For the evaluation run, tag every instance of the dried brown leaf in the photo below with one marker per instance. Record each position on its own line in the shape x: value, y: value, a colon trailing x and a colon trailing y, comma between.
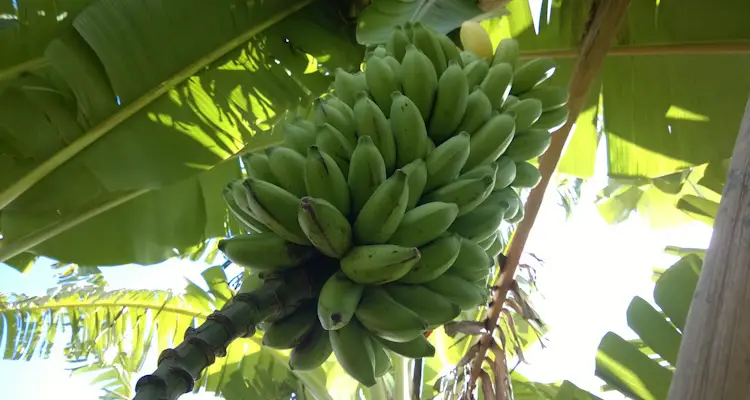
x: 487, y: 390
x: 466, y: 327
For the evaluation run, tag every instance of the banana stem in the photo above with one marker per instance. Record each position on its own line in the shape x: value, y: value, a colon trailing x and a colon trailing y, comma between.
x: 401, y: 376
x: 179, y: 368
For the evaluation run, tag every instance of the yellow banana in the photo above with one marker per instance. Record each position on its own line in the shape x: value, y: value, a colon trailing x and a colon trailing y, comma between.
x: 383, y: 211
x: 372, y: 122
x: 288, y: 167
x: 265, y: 252
x: 338, y: 300
x: 478, y: 111
x: 475, y: 72
x: 408, y: 129
x: 424, y: 224
x: 419, y: 347
x: 420, y: 81
x: 378, y: 263
x: 466, y: 295
x: 426, y: 41
x: 331, y: 141
x: 506, y: 173
x: 366, y: 173
x: 475, y: 38
x: 490, y: 141
x: 436, y: 258
x: 444, y: 163
x: 450, y: 103
x: 432, y: 307
x: 346, y: 85
x: 386, y: 318
x: 532, y: 73
x: 312, y: 352
x: 354, y: 352
x: 381, y: 81
x: 324, y: 180
x: 497, y: 84
x: 276, y: 208
x: 506, y: 52
x: 416, y: 179
x: 324, y: 225
x: 526, y: 113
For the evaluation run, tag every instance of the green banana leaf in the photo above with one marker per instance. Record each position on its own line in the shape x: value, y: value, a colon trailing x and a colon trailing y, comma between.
x: 644, y: 368
x: 178, y: 87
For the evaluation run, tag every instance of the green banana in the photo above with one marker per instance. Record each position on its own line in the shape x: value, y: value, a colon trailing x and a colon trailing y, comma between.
x: 324, y: 180
x: 475, y: 72
x: 395, y: 67
x: 289, y: 331
x: 298, y: 138
x: 465, y: 193
x: 386, y: 318
x: 334, y: 143
x: 450, y: 103
x: 466, y: 295
x: 312, y: 352
x: 468, y: 57
x: 416, y: 178
x: 235, y: 196
x: 527, y: 175
x: 276, y: 208
x: 553, y: 120
x: 506, y: 172
x: 420, y: 81
x: 445, y: 162
x: 432, y: 307
x: 552, y: 97
x: 480, y: 172
x: 478, y: 111
x: 497, y: 84
x: 265, y: 252
x: 379, y: 263
x: 366, y: 173
x: 427, y: 42
x: 372, y: 122
x: 408, y: 129
x: 436, y: 258
x: 532, y: 73
x: 381, y: 81
x: 507, y: 51
x: 424, y: 224
x: 383, y: 211
x: 258, y: 167
x: 288, y: 167
x: 485, y: 243
x: 480, y: 223
x: 510, y: 101
x: 495, y: 248
x: 382, y: 359
x: 338, y: 300
x: 490, y: 141
x: 353, y: 349
x: 341, y: 117
x: 324, y: 225
x: 450, y: 50
x: 507, y: 198
x: 419, y: 347
x: 346, y: 85
x: 528, y: 145
x: 526, y: 113
x: 472, y: 262
x: 516, y: 218
x: 397, y: 42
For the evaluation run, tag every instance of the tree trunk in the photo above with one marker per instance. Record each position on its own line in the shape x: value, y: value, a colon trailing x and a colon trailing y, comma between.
x: 714, y: 358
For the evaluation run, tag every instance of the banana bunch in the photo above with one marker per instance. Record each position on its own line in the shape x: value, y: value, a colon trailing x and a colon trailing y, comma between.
x: 400, y: 177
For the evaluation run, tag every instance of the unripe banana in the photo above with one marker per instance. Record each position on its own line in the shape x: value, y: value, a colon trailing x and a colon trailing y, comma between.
x: 397, y: 42
x: 338, y: 300
x: 480, y: 172
x: 506, y: 52
x: 475, y: 38
x: 366, y: 173
x: 265, y: 252
x: 381, y: 81
x: 506, y: 172
x: 379, y: 263
x: 324, y: 180
x: 465, y: 193
x: 346, y: 85
x: 527, y: 175
x: 345, y: 109
x: 436, y: 258
x: 424, y: 224
x: 372, y: 122
x: 420, y: 347
x: 466, y: 295
x: 444, y: 163
x: 526, y: 113
x: 416, y: 179
x: 383, y: 211
x: 531, y: 74
x: 258, y: 167
x: 528, y: 145
x: 426, y: 41
x: 289, y: 331
x: 507, y: 198
x: 451, y: 51
x: 486, y: 243
x: 235, y: 196
x: 276, y: 208
x: 552, y: 97
x: 481, y: 223
x: 495, y: 248
x: 324, y: 225
x: 432, y: 307
x: 386, y: 318
x: 490, y: 141
x: 450, y: 103
x: 331, y: 141
x: 518, y: 217
x: 478, y: 111
x: 497, y: 84
x: 326, y: 113
x: 288, y: 167
x: 553, y: 120
x: 468, y: 57
x: 408, y: 129
x: 353, y: 348
x: 472, y: 263
x: 382, y: 359
x: 419, y: 80
x: 312, y: 352
x: 475, y: 72
x: 510, y: 101
x: 305, y: 124
x: 298, y: 138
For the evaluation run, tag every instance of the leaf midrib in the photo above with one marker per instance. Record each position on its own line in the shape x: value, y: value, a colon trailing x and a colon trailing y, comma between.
x: 58, y: 306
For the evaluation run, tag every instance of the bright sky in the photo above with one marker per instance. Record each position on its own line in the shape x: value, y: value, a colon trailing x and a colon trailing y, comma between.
x: 591, y: 272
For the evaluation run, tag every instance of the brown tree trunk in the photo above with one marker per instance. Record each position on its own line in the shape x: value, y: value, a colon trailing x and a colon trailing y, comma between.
x: 714, y: 358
